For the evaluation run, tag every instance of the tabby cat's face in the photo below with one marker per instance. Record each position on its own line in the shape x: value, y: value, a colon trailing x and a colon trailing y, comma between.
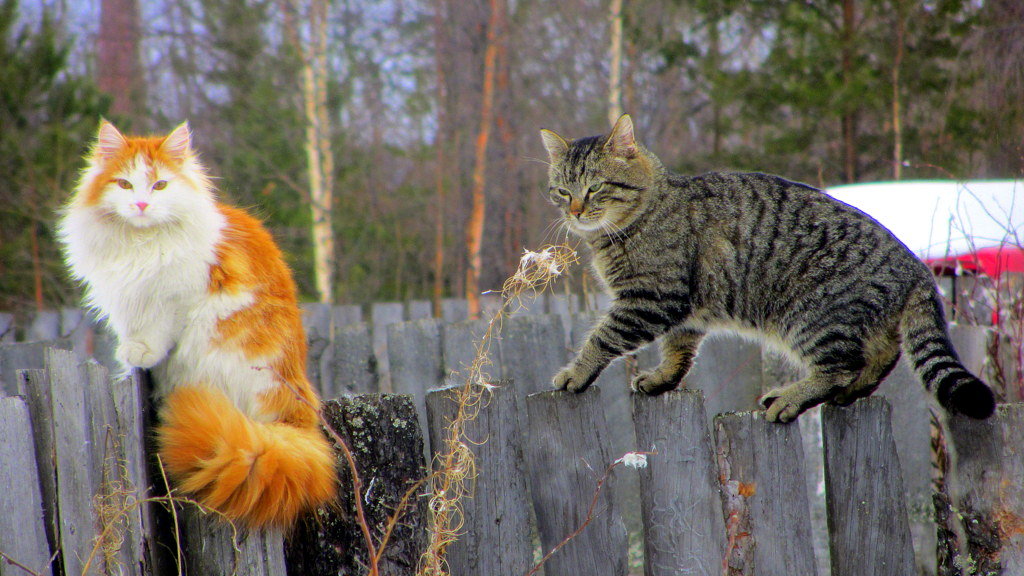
x: 599, y: 183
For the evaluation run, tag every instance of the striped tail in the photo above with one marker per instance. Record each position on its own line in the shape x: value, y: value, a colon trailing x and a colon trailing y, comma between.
x: 926, y: 344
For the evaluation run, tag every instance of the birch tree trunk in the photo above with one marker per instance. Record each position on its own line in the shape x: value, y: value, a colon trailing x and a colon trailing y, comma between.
x: 615, y: 63
x: 475, y: 227
x: 312, y: 48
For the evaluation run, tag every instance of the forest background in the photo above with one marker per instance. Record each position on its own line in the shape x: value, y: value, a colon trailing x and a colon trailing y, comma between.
x: 392, y: 145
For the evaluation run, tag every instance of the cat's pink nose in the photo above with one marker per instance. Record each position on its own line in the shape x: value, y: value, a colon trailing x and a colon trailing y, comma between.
x: 142, y: 206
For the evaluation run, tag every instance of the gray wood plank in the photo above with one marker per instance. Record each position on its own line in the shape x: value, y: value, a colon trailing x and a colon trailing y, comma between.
x: 382, y: 315
x: 7, y: 328
x: 354, y: 365
x: 567, y: 453
x: 419, y: 309
x: 868, y: 525
x: 681, y: 499
x: 74, y: 451
x: 387, y: 445
x: 23, y: 356
x: 316, y: 321
x: 460, y: 342
x: 34, y: 386
x: 532, y: 348
x: 414, y: 350
x: 213, y: 548
x: 22, y: 524
x: 767, y: 517
x: 45, y: 325
x: 454, y: 310
x: 347, y: 314
x: 130, y: 407
x: 496, y: 539
x: 728, y: 370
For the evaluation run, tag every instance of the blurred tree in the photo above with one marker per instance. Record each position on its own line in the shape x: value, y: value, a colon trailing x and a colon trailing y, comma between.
x: 48, y: 114
x: 118, y: 70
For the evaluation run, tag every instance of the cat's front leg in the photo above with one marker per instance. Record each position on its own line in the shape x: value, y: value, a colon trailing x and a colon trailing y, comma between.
x: 624, y: 329
x: 144, y: 346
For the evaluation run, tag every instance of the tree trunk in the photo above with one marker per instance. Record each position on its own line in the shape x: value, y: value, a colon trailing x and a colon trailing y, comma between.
x: 849, y: 119
x: 615, y: 63
x: 119, y: 73
x: 319, y: 155
x: 475, y: 227
x: 897, y: 122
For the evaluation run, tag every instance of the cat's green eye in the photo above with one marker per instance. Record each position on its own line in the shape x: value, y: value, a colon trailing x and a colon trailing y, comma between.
x: 124, y: 184
x: 562, y: 192
x: 595, y: 188
x: 160, y: 185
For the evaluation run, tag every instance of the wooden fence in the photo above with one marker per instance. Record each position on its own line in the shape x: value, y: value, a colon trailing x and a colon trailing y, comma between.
x: 842, y: 492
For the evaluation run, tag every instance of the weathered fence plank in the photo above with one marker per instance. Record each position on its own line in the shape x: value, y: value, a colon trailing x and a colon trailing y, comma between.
x: 454, y: 310
x: 728, y: 370
x: 496, y: 526
x: 317, y: 319
x: 680, y: 497
x: 387, y: 444
x: 75, y: 484
x: 414, y: 352
x: 459, y: 349
x: 533, y: 349
x: 45, y: 326
x: 354, y: 364
x: 34, y: 386
x: 382, y: 315
x: 767, y: 518
x: 23, y: 356
x: 7, y: 328
x: 419, y: 309
x: 22, y: 524
x: 212, y: 547
x: 567, y: 452
x: 347, y: 314
x: 868, y: 525
x: 984, y: 486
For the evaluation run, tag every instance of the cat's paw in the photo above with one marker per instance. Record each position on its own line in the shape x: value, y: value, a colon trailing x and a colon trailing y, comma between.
x: 653, y: 382
x: 783, y: 404
x: 572, y: 379
x: 138, y: 354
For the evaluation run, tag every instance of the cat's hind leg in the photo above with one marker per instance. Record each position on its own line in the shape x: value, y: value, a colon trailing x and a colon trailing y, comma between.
x: 678, y: 348
x: 881, y: 355
x: 785, y: 403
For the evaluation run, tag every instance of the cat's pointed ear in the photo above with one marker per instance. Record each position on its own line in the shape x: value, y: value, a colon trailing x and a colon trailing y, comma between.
x: 622, y: 142
x: 178, y: 144
x: 109, y: 141
x: 556, y: 145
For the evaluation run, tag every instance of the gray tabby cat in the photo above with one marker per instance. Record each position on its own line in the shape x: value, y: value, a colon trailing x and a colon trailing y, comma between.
x: 754, y: 254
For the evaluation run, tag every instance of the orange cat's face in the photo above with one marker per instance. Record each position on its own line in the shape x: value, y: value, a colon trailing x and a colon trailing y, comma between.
x: 143, y: 181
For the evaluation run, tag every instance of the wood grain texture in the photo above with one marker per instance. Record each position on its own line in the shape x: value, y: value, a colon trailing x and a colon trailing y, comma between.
x: 460, y: 341
x: 22, y: 524
x: 567, y: 453
x: 680, y: 496
x: 533, y: 348
x: 867, y: 515
x: 496, y: 531
x: 213, y: 548
x: 414, y: 353
x: 767, y: 516
x: 354, y: 366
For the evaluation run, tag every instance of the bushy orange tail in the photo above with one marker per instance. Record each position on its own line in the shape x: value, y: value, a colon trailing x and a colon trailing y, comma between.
x: 256, y: 474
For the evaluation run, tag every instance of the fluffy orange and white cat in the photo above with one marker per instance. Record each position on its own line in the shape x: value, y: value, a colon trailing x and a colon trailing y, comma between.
x: 198, y: 291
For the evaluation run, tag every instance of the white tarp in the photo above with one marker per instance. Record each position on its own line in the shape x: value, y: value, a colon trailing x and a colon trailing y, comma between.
x: 943, y: 217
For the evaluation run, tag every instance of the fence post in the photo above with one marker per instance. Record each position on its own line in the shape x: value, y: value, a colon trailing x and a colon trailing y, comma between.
x: 317, y: 321
x: 459, y: 343
x: 7, y: 328
x: 34, y: 385
x: 354, y: 366
x: 984, y: 488
x: 767, y: 519
x: 680, y: 497
x: 383, y: 314
x: 496, y: 529
x: 23, y: 356
x: 387, y: 444
x: 22, y: 522
x: 567, y: 452
x: 212, y: 547
x: 867, y: 516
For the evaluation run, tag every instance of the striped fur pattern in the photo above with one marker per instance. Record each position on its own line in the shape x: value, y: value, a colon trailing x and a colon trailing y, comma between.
x: 198, y: 291
x: 754, y: 254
